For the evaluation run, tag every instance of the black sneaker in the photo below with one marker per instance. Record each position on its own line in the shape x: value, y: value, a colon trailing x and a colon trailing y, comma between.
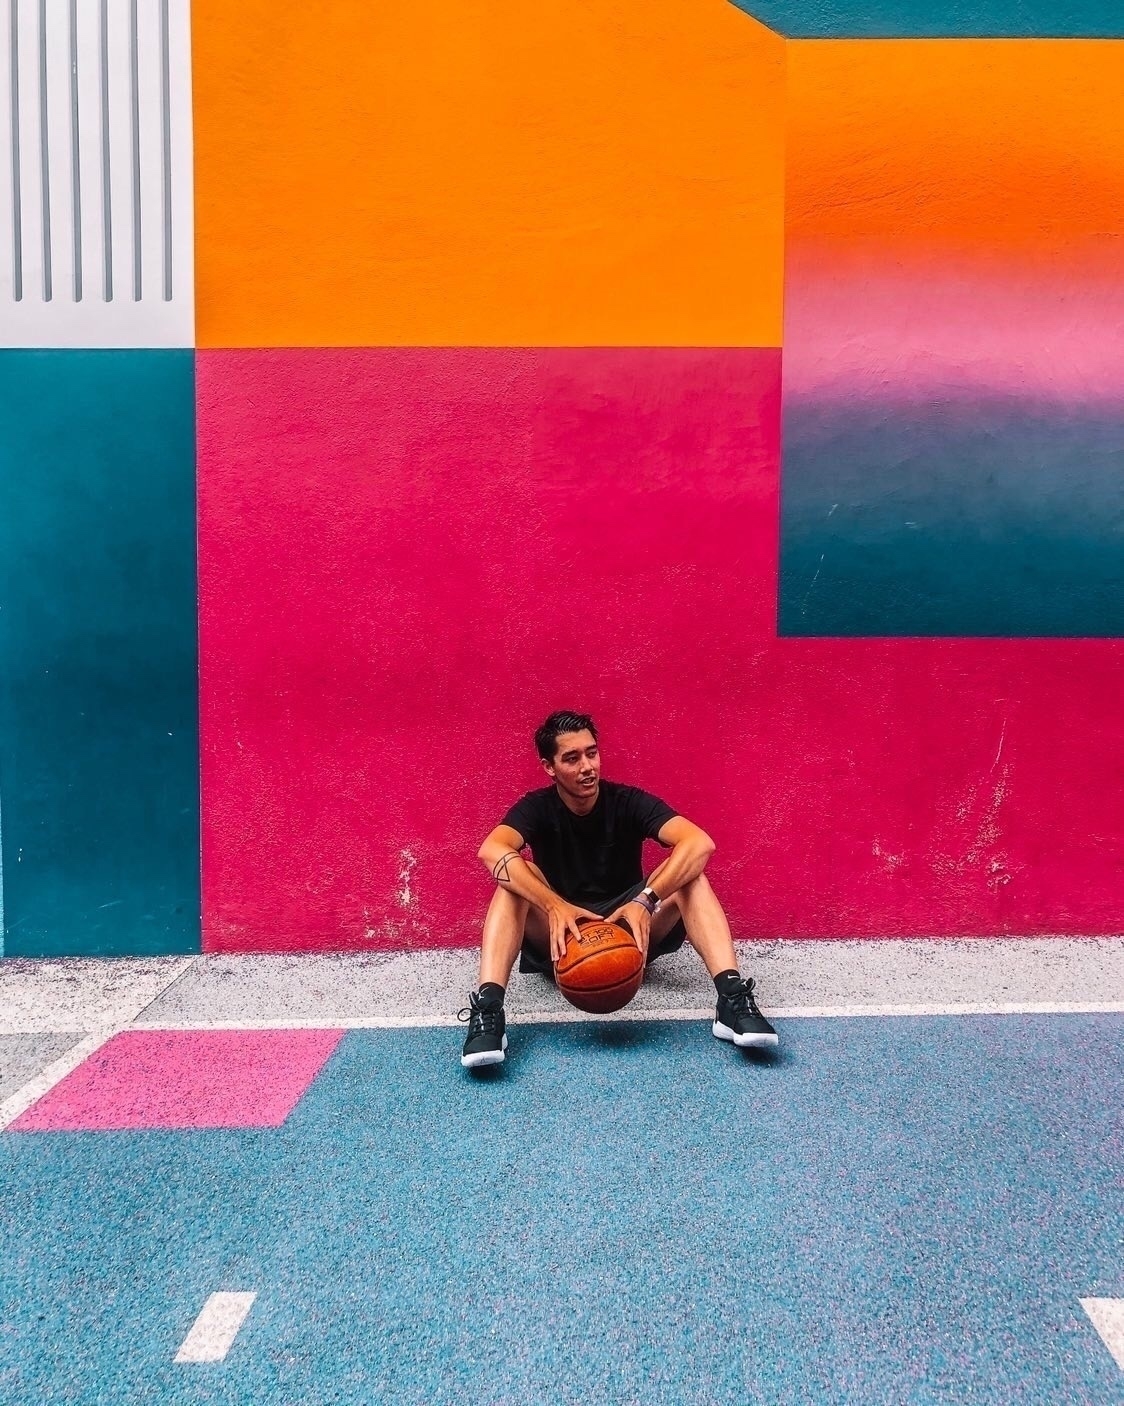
x: 486, y: 1040
x: 738, y: 1019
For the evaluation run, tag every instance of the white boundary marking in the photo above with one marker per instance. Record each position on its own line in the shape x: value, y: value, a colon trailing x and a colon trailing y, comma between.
x: 42, y: 1083
x: 1108, y: 1319
x: 213, y: 1332
x: 57, y: 1070
x: 560, y: 1017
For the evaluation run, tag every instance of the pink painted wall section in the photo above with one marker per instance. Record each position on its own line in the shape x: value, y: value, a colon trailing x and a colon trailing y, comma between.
x: 408, y: 557
x: 855, y: 328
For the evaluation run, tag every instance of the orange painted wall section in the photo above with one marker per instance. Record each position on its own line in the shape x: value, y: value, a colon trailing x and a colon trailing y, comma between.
x: 485, y: 172
x: 958, y: 148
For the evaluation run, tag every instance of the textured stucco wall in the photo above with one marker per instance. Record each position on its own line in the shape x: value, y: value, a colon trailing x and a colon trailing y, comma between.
x: 493, y: 416
x: 954, y: 340
x: 487, y: 174
x: 409, y: 556
x: 410, y: 553
x: 98, y: 656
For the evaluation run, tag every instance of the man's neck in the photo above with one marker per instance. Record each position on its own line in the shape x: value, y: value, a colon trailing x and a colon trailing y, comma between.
x: 582, y: 807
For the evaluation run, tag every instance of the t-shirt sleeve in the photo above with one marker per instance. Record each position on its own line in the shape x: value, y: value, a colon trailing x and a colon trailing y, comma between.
x: 526, y: 817
x: 648, y: 813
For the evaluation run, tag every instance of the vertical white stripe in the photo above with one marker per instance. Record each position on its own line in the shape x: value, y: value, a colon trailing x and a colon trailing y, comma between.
x: 1108, y: 1319
x: 106, y: 154
x: 181, y: 155
x: 31, y: 192
x: 215, y: 1329
x: 59, y: 98
x: 151, y: 153
x: 137, y: 204
x: 43, y: 94
x: 31, y: 198
x: 11, y: 220
x: 89, y: 137
x: 58, y: 120
x: 166, y: 148
x: 120, y: 149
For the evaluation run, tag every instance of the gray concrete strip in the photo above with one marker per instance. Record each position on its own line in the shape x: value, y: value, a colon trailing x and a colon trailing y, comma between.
x: 852, y: 975
x: 81, y: 993
x: 45, y: 1080
x: 939, y: 971
x: 24, y: 1056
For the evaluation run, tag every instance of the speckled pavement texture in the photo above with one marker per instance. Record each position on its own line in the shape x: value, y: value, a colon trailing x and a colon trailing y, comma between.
x: 419, y: 987
x: 894, y: 1208
x: 22, y: 1056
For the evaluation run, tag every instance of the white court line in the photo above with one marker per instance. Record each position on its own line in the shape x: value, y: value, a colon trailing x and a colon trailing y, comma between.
x: 46, y: 1079
x: 214, y: 1331
x: 36, y: 1087
x: 1108, y: 1319
x: 957, y: 1008
x: 560, y: 1017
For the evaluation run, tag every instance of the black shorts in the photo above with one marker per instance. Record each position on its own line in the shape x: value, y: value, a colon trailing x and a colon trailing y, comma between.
x: 530, y: 961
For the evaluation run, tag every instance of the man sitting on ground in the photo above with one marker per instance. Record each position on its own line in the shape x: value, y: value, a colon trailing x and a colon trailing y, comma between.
x: 586, y: 838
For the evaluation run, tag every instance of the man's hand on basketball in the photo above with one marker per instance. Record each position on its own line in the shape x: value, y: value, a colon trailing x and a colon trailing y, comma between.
x: 562, y: 919
x: 639, y: 921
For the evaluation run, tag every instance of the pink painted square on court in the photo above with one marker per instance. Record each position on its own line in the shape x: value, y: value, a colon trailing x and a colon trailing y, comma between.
x: 184, y: 1079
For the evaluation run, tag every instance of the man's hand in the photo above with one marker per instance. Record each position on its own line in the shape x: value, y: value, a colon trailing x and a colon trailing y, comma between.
x: 639, y: 920
x: 562, y: 917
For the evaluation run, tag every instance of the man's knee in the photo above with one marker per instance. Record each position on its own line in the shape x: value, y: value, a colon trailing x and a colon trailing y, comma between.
x: 694, y: 888
x: 506, y: 900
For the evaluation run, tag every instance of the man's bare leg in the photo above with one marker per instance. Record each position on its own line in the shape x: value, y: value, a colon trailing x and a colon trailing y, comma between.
x: 737, y: 1018
x: 504, y: 926
x: 708, y: 932
x: 509, y: 917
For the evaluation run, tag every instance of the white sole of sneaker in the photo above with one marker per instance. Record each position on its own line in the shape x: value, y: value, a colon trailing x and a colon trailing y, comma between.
x: 743, y: 1042
x: 477, y: 1061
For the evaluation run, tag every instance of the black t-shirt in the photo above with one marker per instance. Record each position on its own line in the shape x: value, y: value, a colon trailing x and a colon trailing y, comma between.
x: 590, y: 858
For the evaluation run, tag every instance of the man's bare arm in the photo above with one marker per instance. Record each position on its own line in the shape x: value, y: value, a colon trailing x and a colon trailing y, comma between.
x: 691, y: 849
x: 500, y: 856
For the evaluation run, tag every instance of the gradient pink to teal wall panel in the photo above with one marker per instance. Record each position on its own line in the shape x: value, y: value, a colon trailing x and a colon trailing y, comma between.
x: 408, y: 557
x: 954, y: 340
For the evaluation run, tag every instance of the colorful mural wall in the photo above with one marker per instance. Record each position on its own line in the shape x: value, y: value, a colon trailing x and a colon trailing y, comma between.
x: 99, y: 745
x: 954, y: 340
x: 492, y: 415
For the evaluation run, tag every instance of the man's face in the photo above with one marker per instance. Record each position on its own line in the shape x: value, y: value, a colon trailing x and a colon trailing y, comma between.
x: 576, y: 767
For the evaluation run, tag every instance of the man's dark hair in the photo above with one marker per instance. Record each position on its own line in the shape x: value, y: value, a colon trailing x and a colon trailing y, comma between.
x: 546, y: 737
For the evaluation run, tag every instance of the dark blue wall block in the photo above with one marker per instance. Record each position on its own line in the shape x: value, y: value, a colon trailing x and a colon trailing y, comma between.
x: 99, y: 749
x: 965, y: 518
x: 953, y: 19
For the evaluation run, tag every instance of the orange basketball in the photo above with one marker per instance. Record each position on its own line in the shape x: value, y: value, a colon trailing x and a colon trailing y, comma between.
x: 602, y: 969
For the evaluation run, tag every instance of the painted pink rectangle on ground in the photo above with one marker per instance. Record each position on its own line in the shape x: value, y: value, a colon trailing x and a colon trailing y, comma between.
x: 184, y: 1079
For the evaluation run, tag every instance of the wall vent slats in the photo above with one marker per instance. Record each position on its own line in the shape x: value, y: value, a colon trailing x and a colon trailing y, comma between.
x: 95, y: 174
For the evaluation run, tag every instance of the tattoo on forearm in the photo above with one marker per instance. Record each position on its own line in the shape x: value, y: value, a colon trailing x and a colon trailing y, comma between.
x: 499, y: 871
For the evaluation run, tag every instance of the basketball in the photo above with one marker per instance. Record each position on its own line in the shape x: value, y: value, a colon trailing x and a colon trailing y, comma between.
x: 602, y: 969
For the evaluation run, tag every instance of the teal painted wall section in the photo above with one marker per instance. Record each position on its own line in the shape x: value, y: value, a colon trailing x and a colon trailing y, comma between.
x: 99, y: 735
x: 940, y: 19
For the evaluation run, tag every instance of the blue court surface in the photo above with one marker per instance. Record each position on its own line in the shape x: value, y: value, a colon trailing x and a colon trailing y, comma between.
x: 891, y: 1210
